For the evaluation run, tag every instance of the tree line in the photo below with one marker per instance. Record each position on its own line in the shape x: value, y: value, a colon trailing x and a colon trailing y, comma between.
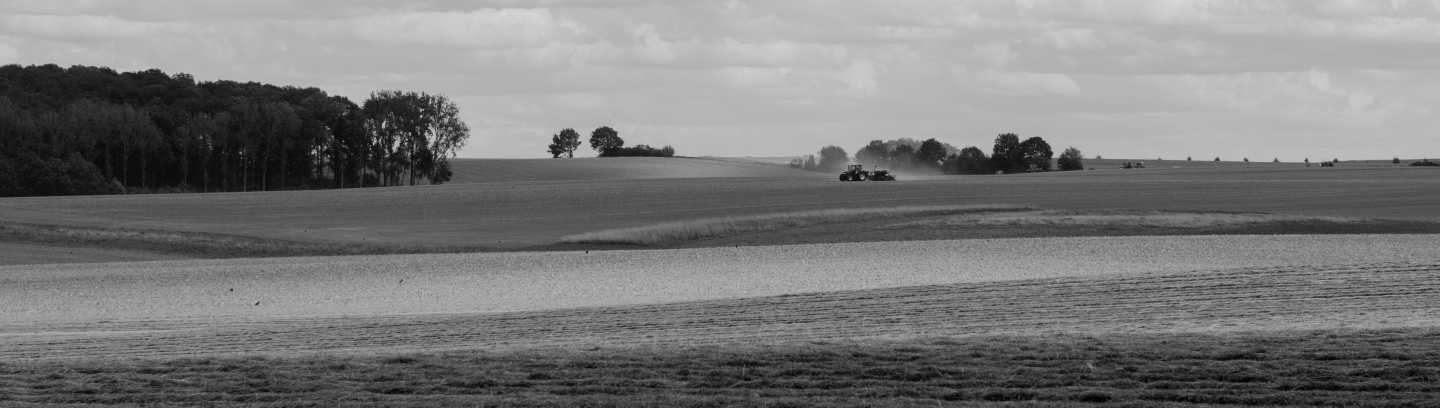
x: 92, y: 130
x: 605, y: 141
x: 1009, y: 154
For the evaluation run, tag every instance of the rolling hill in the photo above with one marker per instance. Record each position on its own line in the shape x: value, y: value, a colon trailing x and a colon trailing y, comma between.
x: 612, y: 168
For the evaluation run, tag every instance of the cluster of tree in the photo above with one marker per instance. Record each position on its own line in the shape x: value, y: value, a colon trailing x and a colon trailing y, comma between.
x: 606, y: 142
x: 92, y: 130
x: 1009, y: 155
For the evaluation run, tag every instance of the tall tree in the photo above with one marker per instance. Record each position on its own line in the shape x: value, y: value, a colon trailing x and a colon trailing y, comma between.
x: 931, y: 154
x: 605, y: 140
x: 1006, y: 155
x: 1036, y: 152
x: 564, y: 143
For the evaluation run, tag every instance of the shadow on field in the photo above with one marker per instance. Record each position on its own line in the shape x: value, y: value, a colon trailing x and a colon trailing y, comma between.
x: 1302, y: 368
x: 196, y: 244
x: 1017, y: 222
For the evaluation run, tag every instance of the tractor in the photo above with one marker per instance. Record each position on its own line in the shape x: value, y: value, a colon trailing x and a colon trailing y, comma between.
x: 856, y: 172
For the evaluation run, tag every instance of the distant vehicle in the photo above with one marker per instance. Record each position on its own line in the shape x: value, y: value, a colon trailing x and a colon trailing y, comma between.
x: 856, y: 172
x: 1327, y: 164
x: 1135, y: 165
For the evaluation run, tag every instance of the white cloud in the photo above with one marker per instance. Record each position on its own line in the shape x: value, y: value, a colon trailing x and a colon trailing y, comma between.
x: 83, y: 27
x: 1105, y: 76
x: 485, y: 28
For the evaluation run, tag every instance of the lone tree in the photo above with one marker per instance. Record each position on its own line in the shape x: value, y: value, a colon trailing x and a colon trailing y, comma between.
x: 1035, y: 152
x: 564, y: 143
x: 832, y: 158
x: 1006, y: 155
x: 1395, y: 161
x: 931, y: 154
x: 1070, y: 160
x: 1217, y: 158
x: 606, y: 140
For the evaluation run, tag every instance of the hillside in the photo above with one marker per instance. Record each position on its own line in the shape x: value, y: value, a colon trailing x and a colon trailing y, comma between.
x: 517, y: 215
x: 611, y: 168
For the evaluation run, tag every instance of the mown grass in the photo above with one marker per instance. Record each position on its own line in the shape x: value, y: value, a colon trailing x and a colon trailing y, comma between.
x: 197, y: 244
x: 680, y: 231
x: 1383, y: 368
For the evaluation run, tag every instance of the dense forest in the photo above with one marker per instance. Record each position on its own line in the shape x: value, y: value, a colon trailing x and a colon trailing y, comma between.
x: 92, y: 130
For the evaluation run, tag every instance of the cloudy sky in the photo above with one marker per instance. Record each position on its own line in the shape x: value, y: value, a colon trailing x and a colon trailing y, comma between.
x: 1132, y: 79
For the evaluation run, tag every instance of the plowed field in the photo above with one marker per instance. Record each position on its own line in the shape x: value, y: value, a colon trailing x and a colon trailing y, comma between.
x: 521, y: 300
x: 517, y: 215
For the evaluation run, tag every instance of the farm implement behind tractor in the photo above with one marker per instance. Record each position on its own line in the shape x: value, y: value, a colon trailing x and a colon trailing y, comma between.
x: 857, y: 173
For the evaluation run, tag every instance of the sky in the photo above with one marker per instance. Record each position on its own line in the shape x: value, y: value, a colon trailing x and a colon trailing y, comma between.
x: 1121, y: 79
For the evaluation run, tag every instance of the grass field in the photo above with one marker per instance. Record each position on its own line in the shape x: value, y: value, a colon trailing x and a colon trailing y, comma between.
x: 519, y: 215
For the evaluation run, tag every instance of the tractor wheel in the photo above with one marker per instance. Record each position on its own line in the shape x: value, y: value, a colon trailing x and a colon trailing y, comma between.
x: 862, y: 177
x: 844, y: 177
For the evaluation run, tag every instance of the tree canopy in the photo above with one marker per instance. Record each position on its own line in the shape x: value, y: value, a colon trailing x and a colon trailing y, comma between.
x: 565, y: 143
x: 605, y: 140
x: 832, y: 158
x: 1035, y: 152
x: 149, y: 131
x: 1071, y: 159
x: 1006, y: 155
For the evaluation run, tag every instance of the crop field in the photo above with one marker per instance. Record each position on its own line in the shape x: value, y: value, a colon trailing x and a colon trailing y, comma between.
x: 522, y: 215
x: 614, y: 168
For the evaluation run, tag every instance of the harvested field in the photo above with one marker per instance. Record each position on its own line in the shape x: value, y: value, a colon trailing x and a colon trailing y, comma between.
x: 1364, y: 296
x: 1304, y: 368
x: 679, y: 232
x: 503, y: 282
x: 613, y: 168
x: 15, y: 253
x: 521, y: 215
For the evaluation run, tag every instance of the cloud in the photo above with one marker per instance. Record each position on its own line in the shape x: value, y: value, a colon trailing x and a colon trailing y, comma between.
x: 83, y: 27
x: 1109, y: 76
x: 485, y: 28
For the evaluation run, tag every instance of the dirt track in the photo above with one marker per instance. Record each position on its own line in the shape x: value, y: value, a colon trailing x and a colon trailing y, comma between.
x: 1372, y: 295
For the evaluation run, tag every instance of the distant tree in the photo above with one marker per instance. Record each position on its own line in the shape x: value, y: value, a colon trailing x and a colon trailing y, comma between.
x: 832, y: 158
x: 1217, y: 158
x: 1307, y: 160
x: 1070, y: 160
x: 1006, y: 155
x: 564, y: 143
x: 1187, y: 158
x: 797, y: 162
x: 1247, y: 159
x: 970, y: 160
x: 1277, y: 160
x: 902, y: 156
x: 931, y: 154
x: 1097, y: 157
x: 1036, y: 152
x: 604, y: 140
x: 1395, y: 161
x: 874, y: 154
x: 810, y: 162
